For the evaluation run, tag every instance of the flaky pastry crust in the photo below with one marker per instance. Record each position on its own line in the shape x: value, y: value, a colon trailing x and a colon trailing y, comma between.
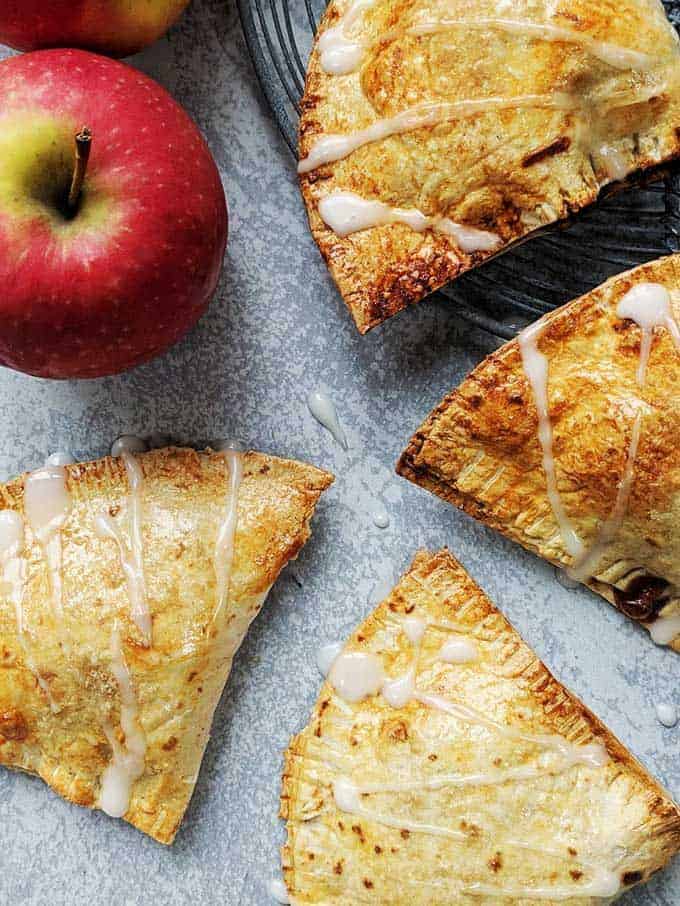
x: 479, y: 448
x: 179, y: 679
x: 508, y: 171
x: 522, y: 841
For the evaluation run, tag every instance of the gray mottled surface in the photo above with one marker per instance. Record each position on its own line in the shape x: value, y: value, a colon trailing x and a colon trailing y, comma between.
x: 277, y: 330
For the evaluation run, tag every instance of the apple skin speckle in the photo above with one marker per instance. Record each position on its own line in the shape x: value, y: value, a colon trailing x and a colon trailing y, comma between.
x: 122, y: 260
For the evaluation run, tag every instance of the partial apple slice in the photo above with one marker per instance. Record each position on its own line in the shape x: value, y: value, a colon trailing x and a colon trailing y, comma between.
x: 128, y: 585
x: 566, y: 440
x: 444, y: 764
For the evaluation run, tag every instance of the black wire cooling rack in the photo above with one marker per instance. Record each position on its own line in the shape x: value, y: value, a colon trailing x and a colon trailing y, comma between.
x: 502, y: 296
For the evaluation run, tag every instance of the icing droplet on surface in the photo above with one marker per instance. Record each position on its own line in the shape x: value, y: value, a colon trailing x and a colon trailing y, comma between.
x: 225, y: 445
x: 323, y: 409
x: 128, y: 443
x: 356, y: 676
x: 415, y: 628
x: 278, y: 891
x: 400, y: 691
x: 459, y: 651
x: 666, y: 714
x: 565, y: 579
x: 60, y: 459
x: 380, y: 516
x: 327, y: 655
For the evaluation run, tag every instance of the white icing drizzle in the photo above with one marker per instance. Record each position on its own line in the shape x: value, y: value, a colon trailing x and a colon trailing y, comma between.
x: 615, y: 163
x: 355, y: 676
x: 349, y: 796
x: 323, y: 409
x: 61, y: 458
x: 346, y: 213
x: 278, y: 891
x: 128, y: 758
x: 327, y: 655
x: 348, y: 799
x: 666, y: 714
x: 13, y: 570
x: 334, y: 147
x: 585, y: 566
x: 47, y: 504
x: 649, y: 305
x: 612, y: 54
x: 128, y: 443
x: 664, y: 630
x: 340, y: 55
x: 604, y: 884
x: 536, y: 369
x: 565, y: 579
x: 358, y: 675
x: 224, y: 547
x: 132, y: 555
x: 459, y: 651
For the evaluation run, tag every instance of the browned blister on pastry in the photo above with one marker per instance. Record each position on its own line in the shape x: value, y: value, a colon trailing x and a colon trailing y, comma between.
x: 87, y: 700
x: 443, y: 763
x: 507, y: 120
x: 613, y: 518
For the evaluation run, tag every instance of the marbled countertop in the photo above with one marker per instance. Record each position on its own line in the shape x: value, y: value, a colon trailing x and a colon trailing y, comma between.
x: 277, y: 330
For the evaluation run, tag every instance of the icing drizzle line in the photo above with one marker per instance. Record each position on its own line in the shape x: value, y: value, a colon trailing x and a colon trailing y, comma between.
x: 128, y: 757
x: 224, y: 547
x: 13, y: 569
x: 333, y: 147
x: 346, y: 213
x: 340, y: 54
x: 47, y: 504
x: 536, y: 369
x: 132, y: 555
x: 649, y: 306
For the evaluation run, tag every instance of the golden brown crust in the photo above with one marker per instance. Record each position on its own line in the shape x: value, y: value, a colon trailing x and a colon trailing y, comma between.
x: 479, y: 447
x: 510, y: 172
x: 332, y: 857
x: 179, y: 680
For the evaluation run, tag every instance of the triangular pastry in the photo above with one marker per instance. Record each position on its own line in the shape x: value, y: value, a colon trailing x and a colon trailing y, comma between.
x: 444, y: 764
x: 127, y: 586
x: 435, y: 134
x: 566, y: 440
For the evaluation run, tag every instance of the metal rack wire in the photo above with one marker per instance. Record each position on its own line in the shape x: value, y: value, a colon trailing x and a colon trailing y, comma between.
x: 507, y: 293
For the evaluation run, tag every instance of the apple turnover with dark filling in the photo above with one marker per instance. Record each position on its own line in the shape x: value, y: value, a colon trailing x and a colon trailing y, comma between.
x: 127, y: 586
x: 566, y: 440
x: 436, y: 134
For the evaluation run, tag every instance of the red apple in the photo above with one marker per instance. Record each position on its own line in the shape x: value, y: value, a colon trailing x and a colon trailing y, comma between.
x: 97, y: 287
x: 114, y: 27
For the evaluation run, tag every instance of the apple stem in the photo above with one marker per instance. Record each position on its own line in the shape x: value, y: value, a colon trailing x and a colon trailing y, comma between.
x: 82, y: 156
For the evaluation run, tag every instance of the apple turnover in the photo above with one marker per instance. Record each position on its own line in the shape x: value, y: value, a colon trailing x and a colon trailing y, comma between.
x: 566, y: 440
x: 128, y: 585
x: 444, y: 764
x: 434, y: 134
